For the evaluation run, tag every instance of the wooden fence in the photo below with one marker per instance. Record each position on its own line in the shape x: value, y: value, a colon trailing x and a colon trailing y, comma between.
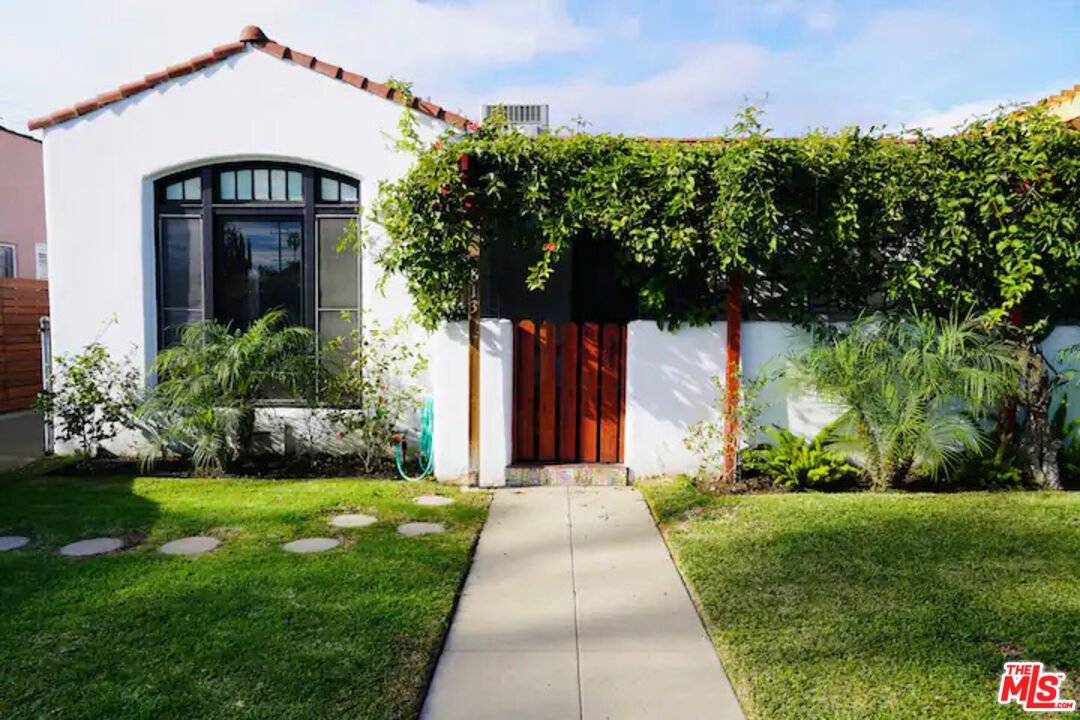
x: 22, y: 304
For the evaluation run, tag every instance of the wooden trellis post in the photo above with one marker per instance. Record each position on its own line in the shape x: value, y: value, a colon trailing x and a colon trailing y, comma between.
x: 472, y: 306
x: 731, y: 378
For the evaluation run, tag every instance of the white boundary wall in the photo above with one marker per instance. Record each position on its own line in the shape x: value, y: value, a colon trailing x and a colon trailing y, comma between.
x: 451, y: 378
x: 669, y: 386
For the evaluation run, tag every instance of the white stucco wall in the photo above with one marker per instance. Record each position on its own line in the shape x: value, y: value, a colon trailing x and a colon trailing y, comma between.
x: 451, y: 380
x: 669, y: 387
x: 100, y: 169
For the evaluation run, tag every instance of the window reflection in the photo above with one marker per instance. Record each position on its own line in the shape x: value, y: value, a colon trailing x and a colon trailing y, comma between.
x: 257, y: 269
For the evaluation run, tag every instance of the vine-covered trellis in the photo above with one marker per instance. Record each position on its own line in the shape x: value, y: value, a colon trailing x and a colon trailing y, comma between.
x: 822, y: 222
x: 985, y: 219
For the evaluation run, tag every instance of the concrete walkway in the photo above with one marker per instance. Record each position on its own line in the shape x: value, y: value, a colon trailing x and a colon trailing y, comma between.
x: 574, y: 609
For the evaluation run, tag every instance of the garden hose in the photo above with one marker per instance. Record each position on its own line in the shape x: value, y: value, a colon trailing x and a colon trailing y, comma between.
x: 425, y: 457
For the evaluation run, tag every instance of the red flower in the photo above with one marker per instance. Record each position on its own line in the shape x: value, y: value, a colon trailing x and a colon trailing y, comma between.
x: 549, y: 247
x: 444, y: 190
x: 471, y: 126
x: 468, y: 204
x: 340, y: 434
x: 438, y: 145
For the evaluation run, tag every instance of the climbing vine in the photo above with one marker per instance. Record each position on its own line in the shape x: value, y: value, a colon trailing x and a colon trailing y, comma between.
x: 820, y: 223
x: 826, y: 222
x: 682, y: 216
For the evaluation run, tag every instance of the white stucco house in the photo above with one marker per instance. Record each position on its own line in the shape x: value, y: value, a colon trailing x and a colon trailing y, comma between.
x: 217, y: 188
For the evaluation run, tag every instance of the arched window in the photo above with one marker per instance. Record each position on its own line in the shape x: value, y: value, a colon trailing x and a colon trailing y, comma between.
x: 237, y: 240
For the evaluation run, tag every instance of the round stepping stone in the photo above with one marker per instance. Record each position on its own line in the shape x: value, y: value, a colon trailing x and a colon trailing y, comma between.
x: 94, y: 546
x: 196, y: 545
x: 310, y: 545
x: 412, y: 529
x: 432, y: 500
x: 354, y: 520
x: 12, y: 542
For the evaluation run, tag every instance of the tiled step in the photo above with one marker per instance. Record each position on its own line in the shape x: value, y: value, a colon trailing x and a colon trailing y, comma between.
x: 567, y: 474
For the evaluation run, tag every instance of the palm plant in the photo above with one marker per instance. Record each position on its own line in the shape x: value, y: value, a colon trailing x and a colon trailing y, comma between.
x: 210, y: 381
x: 912, y: 389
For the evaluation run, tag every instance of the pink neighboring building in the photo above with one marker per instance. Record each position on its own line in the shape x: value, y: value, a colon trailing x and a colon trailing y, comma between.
x: 22, y: 207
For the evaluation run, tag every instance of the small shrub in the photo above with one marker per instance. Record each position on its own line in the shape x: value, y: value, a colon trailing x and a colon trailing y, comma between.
x: 992, y: 467
x: 707, y: 439
x: 374, y: 389
x: 91, y: 397
x: 796, y: 463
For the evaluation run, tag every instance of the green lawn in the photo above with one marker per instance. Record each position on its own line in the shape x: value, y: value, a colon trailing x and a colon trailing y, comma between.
x: 249, y: 631
x: 879, y: 605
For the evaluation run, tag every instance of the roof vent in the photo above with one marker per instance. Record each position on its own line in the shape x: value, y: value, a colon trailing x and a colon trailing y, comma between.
x: 533, y: 119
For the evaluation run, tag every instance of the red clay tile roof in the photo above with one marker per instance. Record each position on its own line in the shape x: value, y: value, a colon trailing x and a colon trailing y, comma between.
x: 1064, y: 95
x: 250, y: 35
x: 1062, y: 98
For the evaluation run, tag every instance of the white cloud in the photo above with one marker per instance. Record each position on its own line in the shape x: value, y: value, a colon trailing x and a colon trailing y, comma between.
x: 708, y: 85
x: 886, y: 66
x: 893, y: 70
x: 52, y: 54
x: 816, y: 15
x: 950, y: 119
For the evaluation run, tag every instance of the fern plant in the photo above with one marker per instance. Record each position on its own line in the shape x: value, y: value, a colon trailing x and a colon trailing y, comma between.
x: 794, y: 462
x: 209, y: 383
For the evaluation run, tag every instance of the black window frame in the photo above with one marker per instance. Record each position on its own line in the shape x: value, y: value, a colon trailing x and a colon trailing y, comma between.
x: 209, y: 207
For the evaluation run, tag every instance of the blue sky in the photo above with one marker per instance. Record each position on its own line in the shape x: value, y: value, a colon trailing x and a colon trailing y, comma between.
x: 653, y: 68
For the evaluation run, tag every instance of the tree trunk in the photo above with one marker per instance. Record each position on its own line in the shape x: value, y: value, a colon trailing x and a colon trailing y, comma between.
x: 1038, y: 445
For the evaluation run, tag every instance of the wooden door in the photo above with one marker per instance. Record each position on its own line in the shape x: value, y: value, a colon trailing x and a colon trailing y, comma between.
x: 569, y: 392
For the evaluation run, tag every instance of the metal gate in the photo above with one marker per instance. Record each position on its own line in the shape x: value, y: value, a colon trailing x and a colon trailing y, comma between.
x: 569, y: 392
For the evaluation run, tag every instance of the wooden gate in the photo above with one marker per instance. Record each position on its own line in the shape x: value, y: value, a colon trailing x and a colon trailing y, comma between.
x: 22, y: 303
x: 569, y: 392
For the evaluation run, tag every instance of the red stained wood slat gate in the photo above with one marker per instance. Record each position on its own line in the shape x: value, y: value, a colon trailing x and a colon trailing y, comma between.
x: 569, y: 392
x: 22, y: 304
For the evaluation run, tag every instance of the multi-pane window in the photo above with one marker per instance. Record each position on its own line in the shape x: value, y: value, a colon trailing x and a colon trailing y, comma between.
x: 333, y: 190
x: 338, y: 301
x: 7, y: 261
x: 187, y: 189
x: 41, y: 258
x: 278, y: 184
x: 235, y: 241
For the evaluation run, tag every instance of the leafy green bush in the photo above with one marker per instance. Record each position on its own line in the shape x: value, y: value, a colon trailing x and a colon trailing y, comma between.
x: 707, y: 438
x: 374, y: 389
x: 90, y: 397
x: 797, y: 463
x: 209, y: 383
x: 991, y: 467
